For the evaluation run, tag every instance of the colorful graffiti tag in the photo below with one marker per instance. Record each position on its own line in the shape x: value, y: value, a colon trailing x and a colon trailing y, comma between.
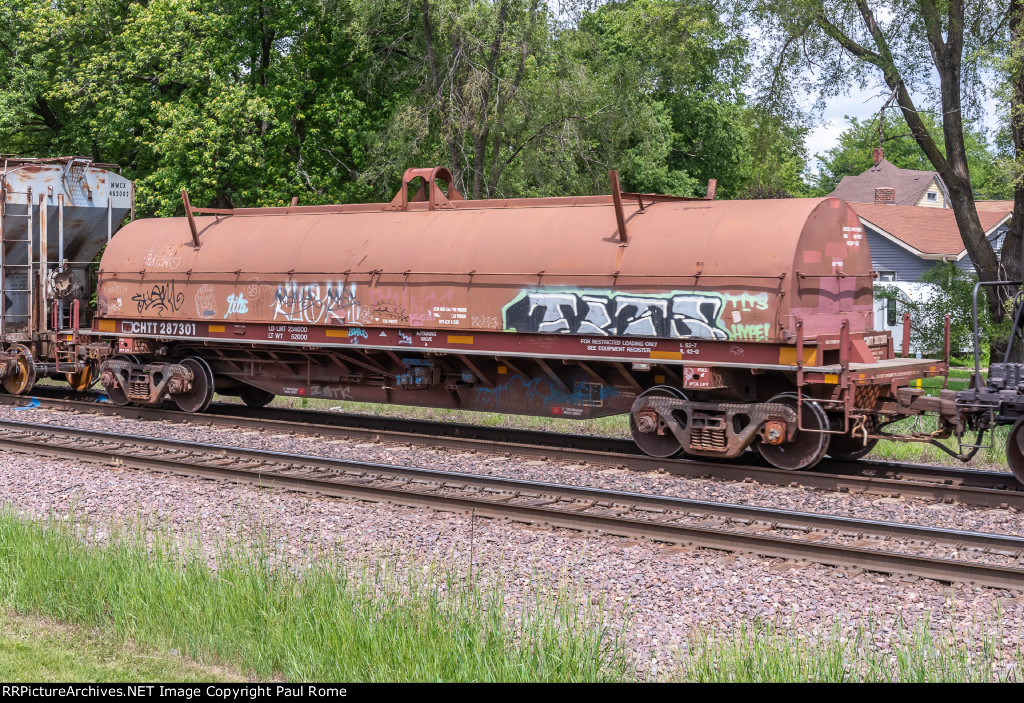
x: 674, y: 315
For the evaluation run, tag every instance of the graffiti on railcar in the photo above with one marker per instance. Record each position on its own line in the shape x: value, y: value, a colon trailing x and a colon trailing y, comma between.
x: 332, y: 392
x: 110, y: 297
x: 423, y: 305
x: 259, y: 291
x: 166, y: 258
x: 389, y: 311
x: 674, y: 315
x: 237, y: 305
x: 746, y: 302
x: 315, y: 302
x: 750, y: 333
x: 162, y: 297
x: 391, y: 305
x: 206, y: 301
x: 519, y: 393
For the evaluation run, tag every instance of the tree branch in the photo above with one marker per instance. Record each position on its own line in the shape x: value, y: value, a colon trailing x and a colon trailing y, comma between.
x: 844, y: 40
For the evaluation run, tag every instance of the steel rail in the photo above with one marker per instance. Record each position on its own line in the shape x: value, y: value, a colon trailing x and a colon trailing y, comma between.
x: 990, y: 489
x: 619, y: 513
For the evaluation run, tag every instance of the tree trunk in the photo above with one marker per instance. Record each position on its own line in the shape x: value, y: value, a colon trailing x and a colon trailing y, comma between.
x: 1013, y: 245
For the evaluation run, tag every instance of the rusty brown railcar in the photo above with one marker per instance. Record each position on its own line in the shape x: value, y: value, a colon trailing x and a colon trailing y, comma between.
x: 717, y: 325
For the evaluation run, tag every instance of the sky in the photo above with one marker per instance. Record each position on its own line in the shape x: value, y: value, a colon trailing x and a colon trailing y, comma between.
x: 860, y: 103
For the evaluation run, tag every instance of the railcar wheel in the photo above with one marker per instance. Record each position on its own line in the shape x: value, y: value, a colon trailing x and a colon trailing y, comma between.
x: 1015, y: 450
x: 847, y: 448
x: 645, y: 435
x: 83, y: 380
x: 255, y: 397
x: 198, y: 399
x: 114, y: 392
x: 808, y: 446
x: 23, y: 378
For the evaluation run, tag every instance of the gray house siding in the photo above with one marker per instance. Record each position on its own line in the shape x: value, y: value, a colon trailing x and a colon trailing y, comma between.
x: 888, y: 256
x: 996, y: 238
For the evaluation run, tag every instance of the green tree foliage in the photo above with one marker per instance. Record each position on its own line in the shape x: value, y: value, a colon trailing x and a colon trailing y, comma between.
x: 247, y: 103
x: 905, y: 45
x: 243, y: 104
x: 523, y: 103
x: 689, y: 67
x: 775, y: 162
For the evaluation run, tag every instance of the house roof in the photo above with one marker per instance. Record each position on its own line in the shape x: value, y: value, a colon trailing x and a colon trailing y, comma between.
x: 908, y: 184
x: 929, y: 232
x: 994, y: 205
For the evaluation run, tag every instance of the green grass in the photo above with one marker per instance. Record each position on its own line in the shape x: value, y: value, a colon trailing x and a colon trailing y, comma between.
x: 268, y: 618
x: 992, y: 456
x: 763, y: 653
x: 257, y: 615
x: 40, y: 650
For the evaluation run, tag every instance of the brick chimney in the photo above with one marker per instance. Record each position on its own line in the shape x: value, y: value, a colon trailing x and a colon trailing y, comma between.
x: 885, y: 196
x: 876, y: 155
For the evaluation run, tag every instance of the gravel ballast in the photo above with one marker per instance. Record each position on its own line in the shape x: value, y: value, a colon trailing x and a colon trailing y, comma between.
x: 667, y: 590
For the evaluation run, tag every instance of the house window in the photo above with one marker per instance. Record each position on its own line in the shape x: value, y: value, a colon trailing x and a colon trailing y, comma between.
x: 886, y: 275
x: 890, y: 312
x: 933, y: 197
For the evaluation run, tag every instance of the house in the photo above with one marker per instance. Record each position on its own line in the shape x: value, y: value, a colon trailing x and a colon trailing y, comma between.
x: 886, y: 184
x: 908, y: 222
x: 910, y: 227
x: 907, y: 241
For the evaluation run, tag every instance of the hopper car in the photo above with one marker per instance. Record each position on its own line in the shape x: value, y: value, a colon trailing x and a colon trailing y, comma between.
x: 56, y: 215
x: 717, y: 326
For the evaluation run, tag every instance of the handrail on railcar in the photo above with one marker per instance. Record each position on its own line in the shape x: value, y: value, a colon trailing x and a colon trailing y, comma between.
x: 977, y: 335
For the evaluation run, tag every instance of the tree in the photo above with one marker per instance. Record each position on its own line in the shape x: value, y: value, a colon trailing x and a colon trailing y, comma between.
x: 900, y: 42
x: 683, y: 58
x: 251, y: 103
x: 691, y: 62
x: 775, y: 158
x: 242, y: 103
x: 649, y: 87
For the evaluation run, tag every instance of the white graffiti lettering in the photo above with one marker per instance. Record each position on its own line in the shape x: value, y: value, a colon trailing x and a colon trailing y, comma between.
x: 313, y: 302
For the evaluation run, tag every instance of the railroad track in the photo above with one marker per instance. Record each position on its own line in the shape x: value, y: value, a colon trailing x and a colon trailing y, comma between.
x: 998, y: 560
x: 991, y: 489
